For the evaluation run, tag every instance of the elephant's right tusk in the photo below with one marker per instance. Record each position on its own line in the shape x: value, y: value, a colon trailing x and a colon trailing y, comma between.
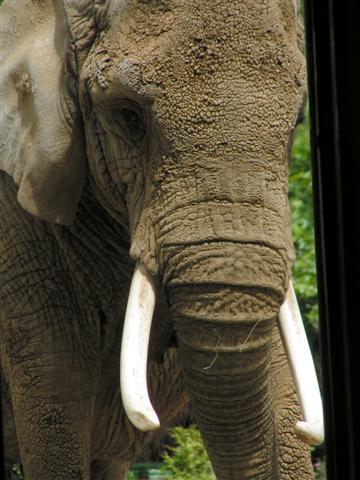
x: 134, y: 350
x: 292, y: 331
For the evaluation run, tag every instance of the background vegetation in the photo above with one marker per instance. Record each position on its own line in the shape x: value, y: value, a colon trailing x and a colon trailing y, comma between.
x: 300, y: 196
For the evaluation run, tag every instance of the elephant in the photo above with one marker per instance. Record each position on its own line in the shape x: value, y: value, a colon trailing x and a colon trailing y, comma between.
x: 149, y: 136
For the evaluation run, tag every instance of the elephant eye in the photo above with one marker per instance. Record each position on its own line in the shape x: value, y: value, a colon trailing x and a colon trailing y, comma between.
x: 131, y: 119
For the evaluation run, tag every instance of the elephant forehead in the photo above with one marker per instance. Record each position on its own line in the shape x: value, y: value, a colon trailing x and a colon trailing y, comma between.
x: 152, y: 44
x: 205, y: 67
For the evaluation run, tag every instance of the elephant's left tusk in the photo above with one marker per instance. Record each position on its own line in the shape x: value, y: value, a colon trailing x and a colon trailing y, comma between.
x: 134, y: 350
x: 292, y: 331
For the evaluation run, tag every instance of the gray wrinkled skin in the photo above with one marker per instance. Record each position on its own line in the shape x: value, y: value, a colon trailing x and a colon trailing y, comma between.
x: 151, y: 130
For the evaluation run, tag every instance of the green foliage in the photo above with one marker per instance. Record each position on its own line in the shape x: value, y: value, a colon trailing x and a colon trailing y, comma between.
x: 15, y: 473
x: 300, y: 196
x: 130, y: 476
x: 302, y: 8
x: 189, y: 459
x: 319, y: 469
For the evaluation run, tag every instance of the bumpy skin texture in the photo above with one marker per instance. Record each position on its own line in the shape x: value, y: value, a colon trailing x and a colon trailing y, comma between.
x: 60, y: 345
x: 172, y: 120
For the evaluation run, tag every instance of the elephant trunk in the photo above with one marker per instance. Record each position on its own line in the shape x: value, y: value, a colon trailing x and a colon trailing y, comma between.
x: 224, y: 333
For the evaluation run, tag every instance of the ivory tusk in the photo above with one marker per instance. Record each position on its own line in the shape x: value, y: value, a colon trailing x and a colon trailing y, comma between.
x: 134, y: 351
x: 297, y: 349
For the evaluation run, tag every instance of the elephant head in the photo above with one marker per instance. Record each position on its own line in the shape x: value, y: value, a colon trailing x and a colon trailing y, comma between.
x: 180, y: 114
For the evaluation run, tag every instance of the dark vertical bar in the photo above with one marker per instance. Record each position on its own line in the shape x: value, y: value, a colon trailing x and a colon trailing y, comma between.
x: 333, y: 52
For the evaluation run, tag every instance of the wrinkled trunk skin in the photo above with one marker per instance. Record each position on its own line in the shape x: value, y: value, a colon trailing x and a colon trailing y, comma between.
x: 228, y: 378
x: 224, y: 333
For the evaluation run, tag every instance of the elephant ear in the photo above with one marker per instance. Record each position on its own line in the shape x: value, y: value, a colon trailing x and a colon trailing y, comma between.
x: 43, y: 45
